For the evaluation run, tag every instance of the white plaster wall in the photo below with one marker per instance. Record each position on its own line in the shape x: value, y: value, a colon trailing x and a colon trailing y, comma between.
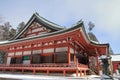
x: 62, y: 49
x: 37, y: 29
x: 48, y: 50
x: 18, y: 53
x: 26, y: 52
x: 11, y: 54
x: 36, y: 51
x: 8, y: 60
x: 71, y: 50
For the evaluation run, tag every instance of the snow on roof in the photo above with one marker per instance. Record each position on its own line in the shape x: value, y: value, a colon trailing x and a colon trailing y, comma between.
x: 115, y: 57
x: 2, y: 42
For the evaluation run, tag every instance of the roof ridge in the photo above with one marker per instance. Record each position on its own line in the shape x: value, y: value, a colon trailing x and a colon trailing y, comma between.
x: 50, y: 22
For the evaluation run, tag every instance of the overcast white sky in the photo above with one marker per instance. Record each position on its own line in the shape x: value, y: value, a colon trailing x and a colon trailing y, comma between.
x: 105, y: 14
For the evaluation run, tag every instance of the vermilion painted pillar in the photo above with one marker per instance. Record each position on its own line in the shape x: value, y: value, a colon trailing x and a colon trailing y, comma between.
x: 84, y: 72
x: 77, y: 72
x: 15, y: 51
x: 42, y: 48
x: 68, y: 55
x: 12, y: 71
x: 4, y: 70
x: 47, y: 72
x: 34, y: 72
x: 80, y: 72
x: 22, y: 71
x: 54, y: 52
x: 31, y: 54
x: 74, y: 55
x: 64, y: 72
x: 22, y: 50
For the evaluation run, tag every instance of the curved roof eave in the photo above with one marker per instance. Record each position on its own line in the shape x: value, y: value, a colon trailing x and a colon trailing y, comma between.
x: 43, y: 20
x: 49, y: 34
x: 90, y: 41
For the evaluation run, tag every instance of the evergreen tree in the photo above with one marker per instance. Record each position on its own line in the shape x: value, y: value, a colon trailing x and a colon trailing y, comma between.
x: 6, y: 29
x: 12, y: 32
x: 20, y: 26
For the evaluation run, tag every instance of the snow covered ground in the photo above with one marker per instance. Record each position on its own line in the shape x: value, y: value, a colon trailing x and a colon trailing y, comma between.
x: 44, y: 77
x: 37, y: 77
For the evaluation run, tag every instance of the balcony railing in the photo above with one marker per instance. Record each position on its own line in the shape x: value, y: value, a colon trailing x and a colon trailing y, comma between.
x: 43, y: 65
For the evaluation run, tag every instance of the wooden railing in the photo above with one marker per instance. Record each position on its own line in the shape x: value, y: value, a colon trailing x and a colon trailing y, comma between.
x: 82, y: 65
x: 42, y: 65
x: 65, y: 68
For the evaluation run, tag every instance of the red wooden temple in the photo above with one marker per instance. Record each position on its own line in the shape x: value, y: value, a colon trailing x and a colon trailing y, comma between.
x: 45, y: 46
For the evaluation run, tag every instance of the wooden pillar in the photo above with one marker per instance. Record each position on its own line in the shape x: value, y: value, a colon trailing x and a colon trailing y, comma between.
x: 31, y: 54
x: 47, y: 72
x: 84, y: 72
x: 4, y: 70
x: 68, y: 44
x: 15, y: 51
x: 74, y: 55
x: 34, y: 71
x: 12, y: 71
x: 22, y: 71
x: 22, y: 50
x: 76, y: 72
x: 64, y: 73
x: 80, y: 72
x: 68, y: 55
x: 42, y: 44
x: 54, y: 52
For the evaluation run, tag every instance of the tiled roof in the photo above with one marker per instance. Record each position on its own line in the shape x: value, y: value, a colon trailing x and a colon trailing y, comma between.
x: 42, y: 20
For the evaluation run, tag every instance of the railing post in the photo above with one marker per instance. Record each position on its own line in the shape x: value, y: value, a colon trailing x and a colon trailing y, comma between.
x: 64, y: 72
x: 22, y: 71
x: 34, y: 72
x: 84, y: 72
x: 76, y: 72
x: 47, y: 72
x: 80, y: 73
x: 4, y: 70
x: 12, y: 71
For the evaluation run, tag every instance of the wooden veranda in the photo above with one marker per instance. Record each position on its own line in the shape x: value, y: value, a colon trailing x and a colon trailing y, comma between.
x: 65, y: 68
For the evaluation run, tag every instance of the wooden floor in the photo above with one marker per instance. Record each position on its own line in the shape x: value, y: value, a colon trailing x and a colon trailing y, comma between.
x: 48, y: 68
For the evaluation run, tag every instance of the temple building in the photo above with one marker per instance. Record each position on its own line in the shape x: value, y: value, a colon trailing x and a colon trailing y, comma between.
x: 45, y: 46
x: 115, y: 58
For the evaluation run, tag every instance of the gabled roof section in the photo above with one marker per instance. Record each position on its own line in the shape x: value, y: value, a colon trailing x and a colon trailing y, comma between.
x: 37, y: 18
